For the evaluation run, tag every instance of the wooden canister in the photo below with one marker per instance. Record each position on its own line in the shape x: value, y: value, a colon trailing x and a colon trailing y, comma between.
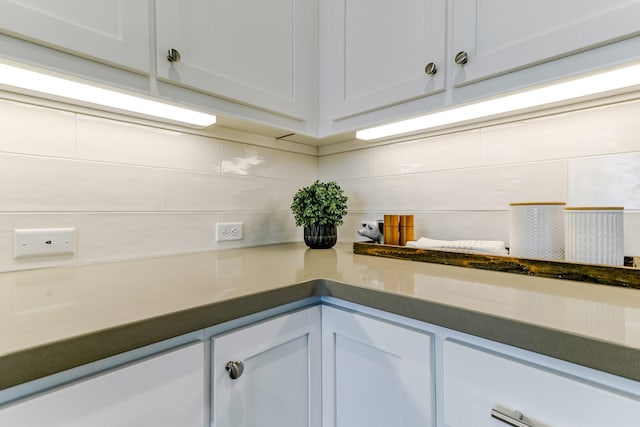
x: 391, y: 230
x: 406, y: 229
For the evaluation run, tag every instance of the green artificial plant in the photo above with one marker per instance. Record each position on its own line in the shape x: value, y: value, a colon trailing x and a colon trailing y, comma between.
x: 321, y: 203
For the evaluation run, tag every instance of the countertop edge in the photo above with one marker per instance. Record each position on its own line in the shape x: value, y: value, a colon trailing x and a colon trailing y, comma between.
x: 589, y: 352
x: 27, y: 365
x: 51, y: 358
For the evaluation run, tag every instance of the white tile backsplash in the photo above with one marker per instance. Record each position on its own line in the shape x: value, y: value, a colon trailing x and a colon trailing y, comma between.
x: 242, y: 159
x: 595, y: 131
x: 191, y: 191
x: 494, y: 188
x: 455, y: 151
x: 463, y: 225
x: 117, y: 142
x: 459, y: 186
x: 393, y: 193
x: 353, y: 164
x: 279, y: 193
x: 263, y: 228
x: 136, y: 191
x: 39, y: 184
x: 612, y: 180
x: 28, y: 129
x: 112, y: 236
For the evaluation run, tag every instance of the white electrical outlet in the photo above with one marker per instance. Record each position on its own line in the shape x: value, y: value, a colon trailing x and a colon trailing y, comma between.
x: 44, y: 242
x: 228, y: 231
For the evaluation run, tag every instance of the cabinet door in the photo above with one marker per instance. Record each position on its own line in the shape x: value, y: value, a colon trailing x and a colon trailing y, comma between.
x: 111, y: 31
x: 375, y: 374
x: 261, y: 53
x: 280, y: 382
x: 166, y: 390
x: 477, y: 381
x: 379, y: 50
x: 503, y: 35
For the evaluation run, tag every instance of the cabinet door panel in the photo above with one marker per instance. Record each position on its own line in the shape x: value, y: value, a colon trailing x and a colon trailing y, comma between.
x: 380, y: 50
x: 165, y: 390
x: 280, y: 384
x: 260, y: 53
x: 502, y: 35
x: 375, y: 374
x: 112, y: 31
x: 477, y: 381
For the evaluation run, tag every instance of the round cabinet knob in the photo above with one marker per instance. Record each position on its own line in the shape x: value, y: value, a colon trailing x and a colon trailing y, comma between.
x: 431, y: 69
x: 173, y: 55
x: 235, y: 369
x: 462, y: 58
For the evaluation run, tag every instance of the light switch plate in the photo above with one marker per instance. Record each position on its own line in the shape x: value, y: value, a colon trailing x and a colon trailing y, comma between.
x: 37, y: 242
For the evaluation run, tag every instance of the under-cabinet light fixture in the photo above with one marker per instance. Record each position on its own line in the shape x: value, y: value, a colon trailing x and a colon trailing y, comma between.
x: 564, y: 91
x: 42, y: 83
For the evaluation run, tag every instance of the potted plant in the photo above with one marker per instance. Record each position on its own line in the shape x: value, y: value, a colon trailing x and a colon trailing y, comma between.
x: 319, y: 208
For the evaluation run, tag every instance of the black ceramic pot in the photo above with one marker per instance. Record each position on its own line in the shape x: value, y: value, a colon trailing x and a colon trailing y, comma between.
x: 320, y: 236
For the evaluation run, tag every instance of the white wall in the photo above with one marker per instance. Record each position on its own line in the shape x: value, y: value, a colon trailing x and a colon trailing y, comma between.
x: 136, y: 191
x: 459, y: 186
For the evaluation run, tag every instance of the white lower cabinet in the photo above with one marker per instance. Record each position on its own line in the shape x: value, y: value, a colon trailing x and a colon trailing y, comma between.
x: 324, y: 366
x: 478, y: 381
x: 167, y: 390
x: 375, y: 373
x: 268, y: 374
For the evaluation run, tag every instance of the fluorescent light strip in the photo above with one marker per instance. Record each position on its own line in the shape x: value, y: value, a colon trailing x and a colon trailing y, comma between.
x: 585, y: 86
x: 47, y: 84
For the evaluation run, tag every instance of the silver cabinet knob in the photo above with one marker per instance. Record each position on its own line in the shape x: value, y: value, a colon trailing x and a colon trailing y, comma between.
x: 462, y: 58
x: 173, y: 55
x: 431, y: 69
x: 235, y: 369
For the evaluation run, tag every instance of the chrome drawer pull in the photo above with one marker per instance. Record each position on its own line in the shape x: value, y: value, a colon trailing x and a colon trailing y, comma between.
x: 515, y: 422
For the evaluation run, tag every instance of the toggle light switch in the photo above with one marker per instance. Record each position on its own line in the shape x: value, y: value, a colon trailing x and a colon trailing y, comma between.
x: 44, y: 242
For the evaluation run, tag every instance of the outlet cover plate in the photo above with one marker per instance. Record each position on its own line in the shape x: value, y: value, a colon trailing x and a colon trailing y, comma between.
x: 226, y: 231
x: 38, y: 242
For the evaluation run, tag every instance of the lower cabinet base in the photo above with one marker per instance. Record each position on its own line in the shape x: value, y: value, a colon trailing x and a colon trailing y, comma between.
x: 375, y: 374
x: 478, y: 381
x: 334, y: 364
x: 279, y: 382
x: 163, y: 390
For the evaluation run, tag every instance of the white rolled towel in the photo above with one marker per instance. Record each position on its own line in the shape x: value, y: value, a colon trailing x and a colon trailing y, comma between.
x: 484, y: 246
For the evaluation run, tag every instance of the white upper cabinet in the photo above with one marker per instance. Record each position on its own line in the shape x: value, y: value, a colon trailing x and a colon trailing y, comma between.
x: 501, y: 36
x: 378, y: 51
x: 268, y: 374
x: 115, y: 32
x: 321, y: 67
x: 259, y: 53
